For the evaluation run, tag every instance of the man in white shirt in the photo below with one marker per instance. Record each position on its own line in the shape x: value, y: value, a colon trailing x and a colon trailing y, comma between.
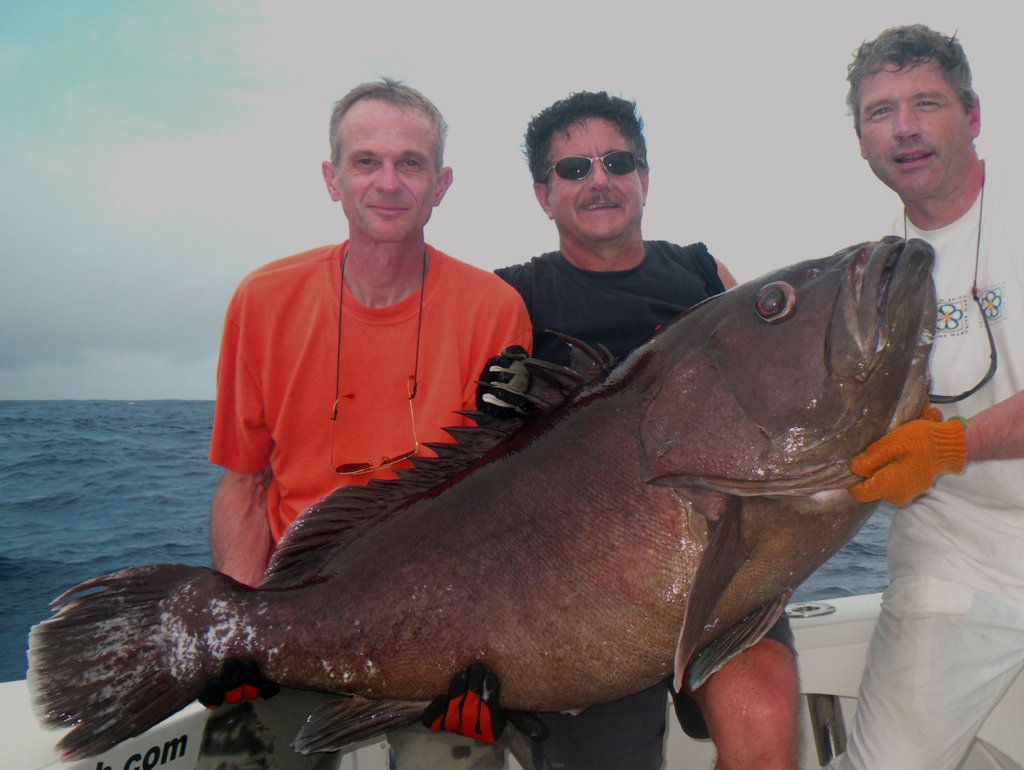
x: 950, y: 637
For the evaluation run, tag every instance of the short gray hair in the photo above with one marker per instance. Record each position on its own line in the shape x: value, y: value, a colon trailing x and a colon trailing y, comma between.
x: 393, y: 92
x: 909, y: 46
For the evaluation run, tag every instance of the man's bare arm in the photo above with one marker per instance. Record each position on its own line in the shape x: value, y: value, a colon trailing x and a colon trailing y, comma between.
x: 240, y: 540
x: 723, y: 273
x: 997, y: 433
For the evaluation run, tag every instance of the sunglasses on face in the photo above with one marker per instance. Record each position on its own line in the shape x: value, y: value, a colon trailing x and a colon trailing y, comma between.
x: 575, y: 167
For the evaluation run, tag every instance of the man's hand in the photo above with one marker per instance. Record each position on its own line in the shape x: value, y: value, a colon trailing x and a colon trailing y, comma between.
x: 502, y: 384
x: 905, y: 463
x: 471, y: 709
x: 239, y: 680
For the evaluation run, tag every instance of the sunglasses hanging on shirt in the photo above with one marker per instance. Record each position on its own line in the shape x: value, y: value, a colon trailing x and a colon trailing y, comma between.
x: 936, y: 398
x: 356, y: 468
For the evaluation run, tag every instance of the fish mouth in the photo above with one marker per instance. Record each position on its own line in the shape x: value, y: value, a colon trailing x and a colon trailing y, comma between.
x: 882, y: 280
x: 879, y: 339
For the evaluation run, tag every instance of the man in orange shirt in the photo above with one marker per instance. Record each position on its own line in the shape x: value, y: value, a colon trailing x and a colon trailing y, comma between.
x: 339, y: 364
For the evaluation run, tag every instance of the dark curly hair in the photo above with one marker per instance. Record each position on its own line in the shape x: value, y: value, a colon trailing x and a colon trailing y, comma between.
x: 908, y: 46
x: 574, y: 110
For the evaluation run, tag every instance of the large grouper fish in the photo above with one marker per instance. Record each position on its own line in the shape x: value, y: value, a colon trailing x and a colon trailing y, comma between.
x: 655, y: 520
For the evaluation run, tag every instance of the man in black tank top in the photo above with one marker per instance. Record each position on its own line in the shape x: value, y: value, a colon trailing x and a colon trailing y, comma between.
x: 606, y: 285
x: 620, y: 309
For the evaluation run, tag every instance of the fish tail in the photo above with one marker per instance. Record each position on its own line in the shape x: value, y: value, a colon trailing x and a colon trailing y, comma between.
x: 115, y: 658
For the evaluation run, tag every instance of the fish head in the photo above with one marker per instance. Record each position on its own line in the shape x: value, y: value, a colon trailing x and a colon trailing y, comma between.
x: 773, y: 386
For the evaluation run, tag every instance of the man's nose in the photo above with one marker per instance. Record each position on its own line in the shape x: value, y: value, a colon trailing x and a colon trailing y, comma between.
x: 907, y: 124
x: 599, y: 176
x: 387, y: 177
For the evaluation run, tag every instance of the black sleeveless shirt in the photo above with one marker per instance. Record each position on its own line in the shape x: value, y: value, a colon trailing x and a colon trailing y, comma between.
x: 620, y: 309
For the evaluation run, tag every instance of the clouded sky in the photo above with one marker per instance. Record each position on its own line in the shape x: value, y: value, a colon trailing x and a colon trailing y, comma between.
x: 152, y: 153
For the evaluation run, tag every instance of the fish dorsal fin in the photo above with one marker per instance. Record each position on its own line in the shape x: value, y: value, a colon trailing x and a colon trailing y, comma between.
x: 341, y: 517
x: 593, y: 363
x: 344, y: 515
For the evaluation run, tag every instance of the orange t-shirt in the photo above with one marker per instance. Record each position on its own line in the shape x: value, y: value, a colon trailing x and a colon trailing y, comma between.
x: 276, y: 377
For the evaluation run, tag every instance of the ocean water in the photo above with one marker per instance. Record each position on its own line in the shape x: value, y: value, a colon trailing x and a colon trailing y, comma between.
x: 91, y: 487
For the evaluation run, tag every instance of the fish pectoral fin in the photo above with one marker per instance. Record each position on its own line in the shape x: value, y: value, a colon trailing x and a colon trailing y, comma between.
x: 333, y: 726
x: 724, y: 554
x: 735, y: 640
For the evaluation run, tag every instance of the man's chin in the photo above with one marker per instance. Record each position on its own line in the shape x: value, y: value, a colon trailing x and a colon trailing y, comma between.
x: 907, y: 181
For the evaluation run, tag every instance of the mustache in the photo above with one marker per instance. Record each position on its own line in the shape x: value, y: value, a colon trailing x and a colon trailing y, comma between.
x: 601, y: 199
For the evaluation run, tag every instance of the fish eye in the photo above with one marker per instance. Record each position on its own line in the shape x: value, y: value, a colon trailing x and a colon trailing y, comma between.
x: 775, y: 301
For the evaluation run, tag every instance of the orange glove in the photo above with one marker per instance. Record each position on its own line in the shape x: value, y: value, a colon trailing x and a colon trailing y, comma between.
x: 471, y: 709
x: 239, y: 680
x: 904, y: 463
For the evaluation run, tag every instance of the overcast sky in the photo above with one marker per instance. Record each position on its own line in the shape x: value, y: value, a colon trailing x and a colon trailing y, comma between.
x: 152, y: 153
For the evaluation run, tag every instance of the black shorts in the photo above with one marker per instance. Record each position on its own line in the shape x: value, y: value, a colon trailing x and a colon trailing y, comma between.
x: 687, y: 710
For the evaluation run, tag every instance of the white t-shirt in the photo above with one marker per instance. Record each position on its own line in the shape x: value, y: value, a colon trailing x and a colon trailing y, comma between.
x: 970, y: 527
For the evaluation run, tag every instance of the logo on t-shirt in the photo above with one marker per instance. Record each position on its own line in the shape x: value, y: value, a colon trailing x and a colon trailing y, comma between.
x: 951, y: 314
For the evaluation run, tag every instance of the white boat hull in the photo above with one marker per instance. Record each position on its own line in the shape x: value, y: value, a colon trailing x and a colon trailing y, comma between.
x: 831, y: 641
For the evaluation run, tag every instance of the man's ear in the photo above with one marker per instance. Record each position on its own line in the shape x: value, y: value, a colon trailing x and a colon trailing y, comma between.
x: 330, y: 172
x: 540, y: 189
x: 444, y: 181
x: 974, y: 118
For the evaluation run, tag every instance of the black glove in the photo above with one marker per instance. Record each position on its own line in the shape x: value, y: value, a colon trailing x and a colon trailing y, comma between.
x: 471, y: 709
x: 502, y: 384
x: 239, y: 680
